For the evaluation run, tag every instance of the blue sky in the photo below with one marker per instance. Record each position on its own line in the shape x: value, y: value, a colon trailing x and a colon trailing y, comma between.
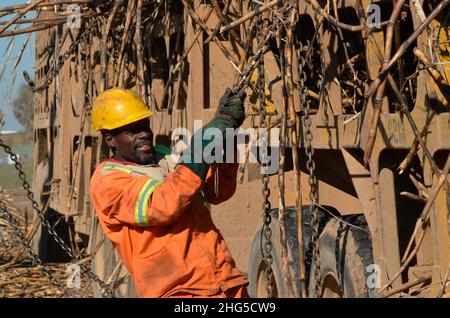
x: 27, y: 63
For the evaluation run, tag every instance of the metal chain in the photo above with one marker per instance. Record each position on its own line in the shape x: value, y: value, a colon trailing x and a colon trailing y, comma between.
x: 60, y: 60
x: 26, y: 186
x: 267, y: 251
x: 311, y: 166
x: 263, y: 44
x: 4, y: 211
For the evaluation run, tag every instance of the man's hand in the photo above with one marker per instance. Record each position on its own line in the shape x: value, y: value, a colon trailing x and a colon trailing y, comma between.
x: 231, y: 107
x: 230, y: 114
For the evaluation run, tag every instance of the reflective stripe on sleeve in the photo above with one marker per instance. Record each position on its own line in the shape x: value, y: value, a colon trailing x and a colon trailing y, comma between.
x: 140, y: 212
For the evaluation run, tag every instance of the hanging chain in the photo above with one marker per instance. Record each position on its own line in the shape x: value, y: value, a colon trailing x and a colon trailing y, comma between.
x: 60, y: 60
x: 267, y: 231
x: 310, y: 165
x: 4, y: 211
x: 26, y: 186
x: 272, y: 31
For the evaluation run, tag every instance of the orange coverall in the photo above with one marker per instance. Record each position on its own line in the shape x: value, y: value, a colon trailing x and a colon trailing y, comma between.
x: 165, y: 233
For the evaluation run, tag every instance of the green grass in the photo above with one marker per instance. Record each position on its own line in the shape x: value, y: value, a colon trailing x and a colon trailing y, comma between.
x: 9, y: 176
x: 20, y: 149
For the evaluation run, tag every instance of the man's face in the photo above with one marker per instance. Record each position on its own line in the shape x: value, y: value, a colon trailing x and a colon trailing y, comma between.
x: 133, y: 142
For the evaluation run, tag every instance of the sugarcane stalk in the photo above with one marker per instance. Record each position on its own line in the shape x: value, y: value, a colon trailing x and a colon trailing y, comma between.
x: 420, y: 224
x: 344, y: 46
x: 251, y: 65
x: 397, y: 39
x: 139, y: 51
x: 128, y: 19
x: 247, y: 49
x: 402, y: 49
x: 281, y: 196
x: 189, y: 48
x: 434, y: 72
x: 412, y: 151
x: 247, y: 17
x: 121, y: 77
x: 104, y: 48
x: 48, y: 20
x: 407, y: 285
x: 412, y: 196
x: 405, y: 110
x: 181, y: 61
x: 84, y: 115
x: 434, y: 192
x: 243, y: 165
x: 444, y: 283
x: 198, y: 21
x: 377, y: 104
x: 216, y: 29
x: 21, y: 13
x: 31, y: 29
x: 295, y: 147
x: 421, y: 188
x: 417, y: 133
x: 12, y: 9
x: 287, y: 77
x: 318, y: 9
x: 221, y: 21
x: 407, y: 261
x: 441, y: 82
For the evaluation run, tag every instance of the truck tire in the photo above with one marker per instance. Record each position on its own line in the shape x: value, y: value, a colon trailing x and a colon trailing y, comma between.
x: 105, y: 261
x: 345, y: 257
x: 256, y: 274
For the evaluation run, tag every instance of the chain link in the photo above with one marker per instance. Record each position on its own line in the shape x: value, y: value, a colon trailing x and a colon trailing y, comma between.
x: 4, y: 211
x: 26, y: 186
x: 310, y: 165
x: 263, y: 44
x: 267, y: 231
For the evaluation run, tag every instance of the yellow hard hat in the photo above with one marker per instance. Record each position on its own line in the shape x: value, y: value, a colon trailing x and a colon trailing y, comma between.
x: 118, y: 107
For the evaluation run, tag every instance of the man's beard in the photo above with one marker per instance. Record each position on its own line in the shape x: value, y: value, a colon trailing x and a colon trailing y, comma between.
x: 144, y: 158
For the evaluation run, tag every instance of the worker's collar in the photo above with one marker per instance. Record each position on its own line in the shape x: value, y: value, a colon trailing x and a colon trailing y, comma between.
x: 112, y: 159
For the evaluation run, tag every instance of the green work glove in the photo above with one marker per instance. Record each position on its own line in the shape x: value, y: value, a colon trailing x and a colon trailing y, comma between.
x: 230, y: 114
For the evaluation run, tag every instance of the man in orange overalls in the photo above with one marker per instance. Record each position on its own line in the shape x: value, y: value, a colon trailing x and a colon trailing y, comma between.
x: 153, y: 209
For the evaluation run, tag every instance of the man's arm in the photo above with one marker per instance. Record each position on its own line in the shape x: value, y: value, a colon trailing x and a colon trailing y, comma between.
x: 120, y: 198
x: 230, y: 114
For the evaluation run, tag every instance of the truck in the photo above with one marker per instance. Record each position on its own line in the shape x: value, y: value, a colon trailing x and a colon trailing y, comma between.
x: 351, y: 96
